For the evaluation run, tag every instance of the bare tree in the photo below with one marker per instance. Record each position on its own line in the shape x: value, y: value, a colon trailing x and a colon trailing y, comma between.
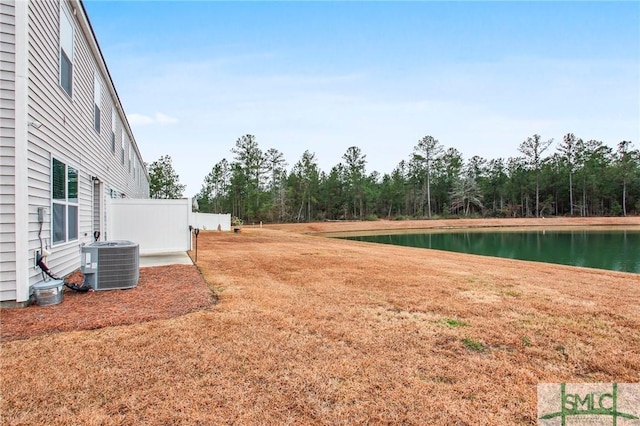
x: 466, y: 193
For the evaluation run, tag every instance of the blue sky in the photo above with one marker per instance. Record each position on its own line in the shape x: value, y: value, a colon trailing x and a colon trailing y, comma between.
x: 480, y: 77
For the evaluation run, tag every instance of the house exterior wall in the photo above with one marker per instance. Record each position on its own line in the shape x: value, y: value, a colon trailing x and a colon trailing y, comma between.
x: 56, y: 125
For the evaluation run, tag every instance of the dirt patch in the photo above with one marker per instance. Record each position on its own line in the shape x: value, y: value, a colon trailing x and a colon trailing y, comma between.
x: 311, y: 330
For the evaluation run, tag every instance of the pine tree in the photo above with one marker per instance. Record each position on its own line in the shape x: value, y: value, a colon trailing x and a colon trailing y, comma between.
x: 164, y: 182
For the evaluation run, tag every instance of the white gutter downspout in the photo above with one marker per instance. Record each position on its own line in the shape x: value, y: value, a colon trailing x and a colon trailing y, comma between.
x: 21, y: 150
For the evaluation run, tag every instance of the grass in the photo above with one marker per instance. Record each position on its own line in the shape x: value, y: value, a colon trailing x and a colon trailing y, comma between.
x: 452, y: 322
x: 316, y: 331
x: 474, y: 345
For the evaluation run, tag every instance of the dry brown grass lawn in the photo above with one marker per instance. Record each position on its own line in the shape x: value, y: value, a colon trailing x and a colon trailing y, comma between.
x: 310, y: 330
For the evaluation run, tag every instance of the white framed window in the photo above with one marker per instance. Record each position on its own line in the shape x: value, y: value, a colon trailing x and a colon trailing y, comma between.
x: 113, y: 130
x: 97, y: 97
x: 130, y: 149
x: 64, y: 202
x: 66, y: 52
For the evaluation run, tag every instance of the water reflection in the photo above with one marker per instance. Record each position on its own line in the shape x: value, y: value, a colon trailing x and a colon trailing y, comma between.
x: 613, y: 250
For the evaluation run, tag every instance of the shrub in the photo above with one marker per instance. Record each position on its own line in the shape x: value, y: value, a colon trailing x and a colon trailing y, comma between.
x: 616, y: 209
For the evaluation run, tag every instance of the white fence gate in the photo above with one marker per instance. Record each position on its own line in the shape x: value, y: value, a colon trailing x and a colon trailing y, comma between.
x: 159, y: 226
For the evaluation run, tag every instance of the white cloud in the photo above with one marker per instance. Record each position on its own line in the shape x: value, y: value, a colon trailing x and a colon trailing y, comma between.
x: 165, y: 119
x: 144, y: 120
x: 139, y: 119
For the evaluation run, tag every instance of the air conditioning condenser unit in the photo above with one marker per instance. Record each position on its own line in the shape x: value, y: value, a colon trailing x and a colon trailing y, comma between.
x: 111, y: 265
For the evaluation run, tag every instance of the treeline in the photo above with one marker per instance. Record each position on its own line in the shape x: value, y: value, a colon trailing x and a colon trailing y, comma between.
x: 580, y: 178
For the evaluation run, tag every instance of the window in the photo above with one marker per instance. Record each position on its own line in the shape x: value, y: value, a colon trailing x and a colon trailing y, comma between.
x: 96, y: 103
x: 122, y: 146
x: 113, y: 130
x: 66, y: 52
x: 130, y: 149
x: 64, y: 199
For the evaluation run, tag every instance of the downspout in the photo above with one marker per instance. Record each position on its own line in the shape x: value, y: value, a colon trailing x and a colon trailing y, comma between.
x: 21, y: 129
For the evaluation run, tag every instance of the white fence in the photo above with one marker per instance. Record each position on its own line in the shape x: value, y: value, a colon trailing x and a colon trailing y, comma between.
x: 208, y: 221
x: 159, y: 226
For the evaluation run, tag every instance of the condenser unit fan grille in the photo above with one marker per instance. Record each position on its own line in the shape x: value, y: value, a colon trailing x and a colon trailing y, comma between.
x: 118, y: 268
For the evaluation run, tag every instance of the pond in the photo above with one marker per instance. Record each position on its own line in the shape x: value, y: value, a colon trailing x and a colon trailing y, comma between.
x: 613, y: 250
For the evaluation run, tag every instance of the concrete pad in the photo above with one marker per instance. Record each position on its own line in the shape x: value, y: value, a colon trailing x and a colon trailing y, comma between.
x: 162, y: 259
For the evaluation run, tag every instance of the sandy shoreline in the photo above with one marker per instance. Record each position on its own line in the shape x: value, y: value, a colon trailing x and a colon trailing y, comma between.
x: 381, y: 227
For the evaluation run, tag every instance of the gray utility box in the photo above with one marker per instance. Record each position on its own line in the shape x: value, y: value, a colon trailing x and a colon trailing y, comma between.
x: 111, y: 265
